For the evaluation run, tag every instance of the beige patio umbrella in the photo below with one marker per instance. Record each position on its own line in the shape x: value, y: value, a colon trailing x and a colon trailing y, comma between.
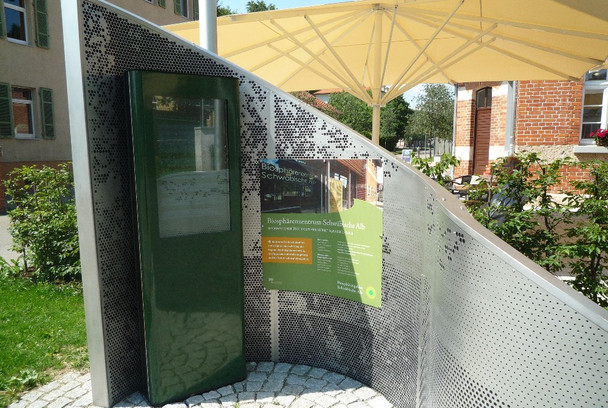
x: 377, y: 50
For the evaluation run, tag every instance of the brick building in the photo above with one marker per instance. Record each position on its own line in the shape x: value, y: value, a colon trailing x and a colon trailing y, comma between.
x: 552, y: 118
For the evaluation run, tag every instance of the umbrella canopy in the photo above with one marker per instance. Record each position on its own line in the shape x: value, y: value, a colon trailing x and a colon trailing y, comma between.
x: 377, y: 50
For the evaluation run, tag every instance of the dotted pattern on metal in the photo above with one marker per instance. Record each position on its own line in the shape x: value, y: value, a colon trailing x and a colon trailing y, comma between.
x: 459, y: 326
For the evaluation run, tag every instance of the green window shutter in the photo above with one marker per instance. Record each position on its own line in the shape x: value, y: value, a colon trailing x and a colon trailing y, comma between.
x: 46, y: 107
x: 195, y: 10
x: 177, y: 7
x: 7, y: 128
x: 161, y: 3
x: 1, y: 19
x: 42, y: 24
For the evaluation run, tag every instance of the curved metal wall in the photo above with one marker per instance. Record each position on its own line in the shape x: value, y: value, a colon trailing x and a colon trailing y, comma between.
x: 465, y: 320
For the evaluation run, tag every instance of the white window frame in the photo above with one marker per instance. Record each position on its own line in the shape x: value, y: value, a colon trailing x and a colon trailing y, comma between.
x: 24, y: 12
x: 599, y: 86
x: 30, y: 105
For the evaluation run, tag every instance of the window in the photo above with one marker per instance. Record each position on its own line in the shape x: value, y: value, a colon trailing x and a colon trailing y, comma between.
x: 23, y: 113
x: 484, y: 98
x: 14, y: 14
x: 595, y: 104
x: 181, y: 7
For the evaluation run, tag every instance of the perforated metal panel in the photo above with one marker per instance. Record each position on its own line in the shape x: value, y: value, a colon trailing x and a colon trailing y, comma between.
x: 464, y: 321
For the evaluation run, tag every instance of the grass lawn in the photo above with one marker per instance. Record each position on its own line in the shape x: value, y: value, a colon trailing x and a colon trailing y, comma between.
x: 42, y: 332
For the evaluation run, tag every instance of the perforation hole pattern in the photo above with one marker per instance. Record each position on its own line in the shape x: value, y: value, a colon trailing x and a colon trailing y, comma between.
x: 458, y: 327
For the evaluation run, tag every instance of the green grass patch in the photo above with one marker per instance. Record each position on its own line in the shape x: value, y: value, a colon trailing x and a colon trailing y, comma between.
x: 42, y: 332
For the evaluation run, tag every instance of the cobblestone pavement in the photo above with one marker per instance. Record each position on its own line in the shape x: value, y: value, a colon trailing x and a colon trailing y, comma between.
x: 268, y: 385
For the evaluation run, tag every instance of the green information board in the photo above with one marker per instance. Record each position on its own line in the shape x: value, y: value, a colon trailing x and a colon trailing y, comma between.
x: 187, y: 184
x: 322, y: 227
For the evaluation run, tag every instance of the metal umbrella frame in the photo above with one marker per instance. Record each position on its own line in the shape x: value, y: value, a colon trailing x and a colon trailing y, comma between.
x: 377, y: 50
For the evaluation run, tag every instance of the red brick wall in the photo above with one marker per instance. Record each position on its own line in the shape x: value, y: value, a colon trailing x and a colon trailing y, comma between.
x: 465, y: 128
x: 548, y: 112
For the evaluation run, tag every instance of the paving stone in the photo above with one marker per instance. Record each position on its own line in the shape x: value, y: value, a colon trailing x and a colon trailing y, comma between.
x: 211, y: 395
x: 59, y: 402
x: 282, y: 367
x: 317, y: 372
x: 249, y: 405
x: 254, y: 385
x: 315, y: 383
x: 347, y: 397
x: 349, y: 383
x: 246, y: 397
x: 32, y: 395
x: 268, y: 406
x: 77, y: 392
x: 266, y: 366
x: 51, y: 396
x: 272, y: 386
x: 332, y: 377
x: 175, y: 405
x: 85, y: 401
x: 19, y: 404
x: 210, y: 404
x: 300, y: 369
x: 257, y: 376
x: 326, y: 401
x: 302, y: 403
x: 332, y: 389
x: 265, y: 397
x: 250, y: 365
x: 69, y: 386
x: 227, y: 390
x: 274, y: 377
x: 284, y: 400
x: 239, y: 387
x: 379, y: 402
x: 229, y: 400
x: 295, y: 379
x: 37, y: 404
x: 365, y: 393
x: 292, y: 389
x: 195, y: 400
x: 358, y: 404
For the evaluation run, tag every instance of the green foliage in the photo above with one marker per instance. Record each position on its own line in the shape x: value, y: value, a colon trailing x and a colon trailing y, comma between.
x: 589, y: 246
x: 434, y: 114
x: 224, y: 10
x: 43, y: 223
x: 259, y: 5
x: 516, y: 205
x: 357, y: 115
x: 393, y: 122
x: 436, y: 170
x: 42, y: 332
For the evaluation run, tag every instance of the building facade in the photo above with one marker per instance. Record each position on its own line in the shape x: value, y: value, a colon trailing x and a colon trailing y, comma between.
x: 551, y: 118
x: 34, y: 116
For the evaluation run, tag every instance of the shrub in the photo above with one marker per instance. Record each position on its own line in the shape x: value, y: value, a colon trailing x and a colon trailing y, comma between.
x: 589, y: 249
x: 43, y: 222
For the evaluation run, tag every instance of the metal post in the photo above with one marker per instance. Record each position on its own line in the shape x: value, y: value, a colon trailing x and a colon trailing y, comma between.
x: 208, y: 24
x: 376, y: 124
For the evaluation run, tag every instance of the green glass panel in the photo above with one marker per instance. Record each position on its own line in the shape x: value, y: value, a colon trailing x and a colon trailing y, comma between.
x: 186, y: 161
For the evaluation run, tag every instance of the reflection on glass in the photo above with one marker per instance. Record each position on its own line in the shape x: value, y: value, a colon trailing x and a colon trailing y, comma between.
x: 191, y: 165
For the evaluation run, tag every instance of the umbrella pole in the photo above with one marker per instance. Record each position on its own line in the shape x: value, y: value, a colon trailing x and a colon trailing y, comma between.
x: 376, y: 124
x: 208, y: 24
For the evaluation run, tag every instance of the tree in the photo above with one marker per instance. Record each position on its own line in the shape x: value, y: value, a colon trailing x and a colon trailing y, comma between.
x: 434, y: 114
x: 358, y: 115
x: 259, y: 5
x: 223, y: 10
